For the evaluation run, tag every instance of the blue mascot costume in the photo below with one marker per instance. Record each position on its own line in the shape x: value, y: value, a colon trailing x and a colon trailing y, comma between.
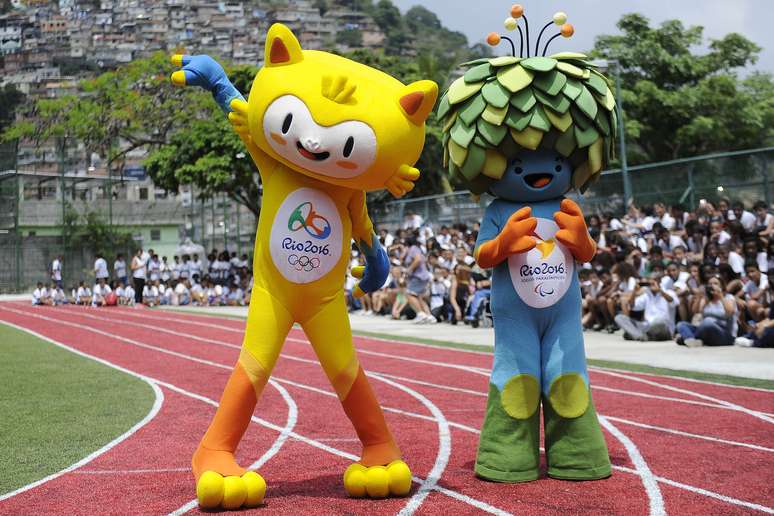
x: 527, y: 130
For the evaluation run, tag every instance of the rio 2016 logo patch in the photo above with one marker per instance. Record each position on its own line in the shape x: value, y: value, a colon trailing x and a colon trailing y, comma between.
x: 542, y: 275
x: 306, y: 237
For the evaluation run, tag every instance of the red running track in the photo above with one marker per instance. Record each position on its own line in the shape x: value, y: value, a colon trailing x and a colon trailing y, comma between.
x: 677, y: 446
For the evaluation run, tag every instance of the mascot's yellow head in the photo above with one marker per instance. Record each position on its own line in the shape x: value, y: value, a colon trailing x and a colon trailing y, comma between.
x: 334, y: 119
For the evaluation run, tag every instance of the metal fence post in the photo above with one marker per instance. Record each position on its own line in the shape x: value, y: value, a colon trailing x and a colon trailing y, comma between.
x: 765, y: 165
x: 16, y: 224
x: 622, y: 137
x: 62, y: 143
x: 691, y: 185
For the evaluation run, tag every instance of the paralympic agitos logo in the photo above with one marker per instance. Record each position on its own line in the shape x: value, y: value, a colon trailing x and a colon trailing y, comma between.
x: 543, y: 269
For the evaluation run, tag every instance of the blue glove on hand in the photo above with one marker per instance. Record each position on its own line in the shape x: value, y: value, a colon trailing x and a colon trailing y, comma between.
x: 205, y: 72
x: 374, y: 273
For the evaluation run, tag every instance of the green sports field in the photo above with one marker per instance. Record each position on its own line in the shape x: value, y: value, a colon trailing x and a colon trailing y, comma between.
x: 58, y: 407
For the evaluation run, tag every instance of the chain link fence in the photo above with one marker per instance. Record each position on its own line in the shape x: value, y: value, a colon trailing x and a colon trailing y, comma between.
x: 747, y: 176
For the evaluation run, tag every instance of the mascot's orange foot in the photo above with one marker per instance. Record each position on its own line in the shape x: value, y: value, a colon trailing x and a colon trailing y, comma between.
x: 214, y: 491
x: 378, y: 481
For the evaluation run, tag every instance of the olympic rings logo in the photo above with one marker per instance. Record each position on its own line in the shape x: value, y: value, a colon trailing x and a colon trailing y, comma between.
x: 303, y: 262
x: 315, y: 224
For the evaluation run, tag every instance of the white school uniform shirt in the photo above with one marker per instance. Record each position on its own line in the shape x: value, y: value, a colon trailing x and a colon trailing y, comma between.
x: 736, y: 262
x: 751, y: 287
x: 184, y: 270
x: 83, y: 292
x: 657, y: 307
x: 119, y: 268
x: 749, y: 221
x: 100, y: 268
x: 37, y: 296
x: 119, y: 291
x: 129, y: 292
x: 154, y: 267
x: 138, y: 273
x: 56, y: 270
x: 150, y: 291
x: 165, y: 271
x: 195, y: 267
x: 668, y: 221
x: 102, y: 291
x: 667, y: 283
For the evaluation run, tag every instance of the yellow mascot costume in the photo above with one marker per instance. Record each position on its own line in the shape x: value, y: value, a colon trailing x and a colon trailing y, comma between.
x: 322, y: 131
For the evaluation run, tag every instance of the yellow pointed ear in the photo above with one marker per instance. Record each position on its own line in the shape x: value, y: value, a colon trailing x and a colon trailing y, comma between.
x: 417, y: 100
x: 282, y: 47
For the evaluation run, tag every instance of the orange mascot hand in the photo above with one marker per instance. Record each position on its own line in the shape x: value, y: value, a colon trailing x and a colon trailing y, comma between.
x: 516, y: 237
x: 573, y: 232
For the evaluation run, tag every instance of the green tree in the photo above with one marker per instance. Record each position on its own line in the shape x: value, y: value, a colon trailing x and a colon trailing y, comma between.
x: 10, y: 99
x: 678, y: 103
x: 351, y: 38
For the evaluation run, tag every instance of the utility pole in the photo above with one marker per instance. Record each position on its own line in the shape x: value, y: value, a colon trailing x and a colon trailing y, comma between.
x: 62, y: 143
x: 622, y: 136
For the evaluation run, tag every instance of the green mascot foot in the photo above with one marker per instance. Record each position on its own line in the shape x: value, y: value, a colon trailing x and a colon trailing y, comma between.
x: 509, y: 447
x: 575, y: 446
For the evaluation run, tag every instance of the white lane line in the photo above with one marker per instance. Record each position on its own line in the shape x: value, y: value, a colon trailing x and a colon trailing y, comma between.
x: 684, y: 379
x: 448, y: 492
x: 688, y: 434
x: 158, y: 401
x: 129, y: 471
x: 387, y: 409
x: 290, y: 424
x: 656, y: 501
x: 471, y: 369
x: 441, y: 457
x: 346, y: 455
x: 704, y: 492
x: 740, y: 408
x: 462, y: 427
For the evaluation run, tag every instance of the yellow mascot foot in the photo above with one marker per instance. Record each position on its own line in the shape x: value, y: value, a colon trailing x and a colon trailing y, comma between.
x: 378, y: 481
x: 216, y: 491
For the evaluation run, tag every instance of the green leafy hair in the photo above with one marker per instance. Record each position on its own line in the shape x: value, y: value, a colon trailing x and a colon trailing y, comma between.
x: 505, y: 105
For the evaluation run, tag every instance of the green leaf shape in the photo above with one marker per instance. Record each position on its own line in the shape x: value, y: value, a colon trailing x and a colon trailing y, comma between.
x: 586, y: 137
x: 587, y: 103
x: 529, y: 138
x: 476, y: 61
x: 523, y: 100
x: 572, y: 89
x: 551, y: 83
x: 493, y: 134
x: 461, y: 90
x: 602, y: 123
x: 569, y: 55
x: 539, y: 120
x: 462, y: 134
x: 450, y: 122
x: 457, y: 153
x: 579, y: 118
x: 443, y: 107
x: 494, y: 115
x: 539, y: 64
x: 597, y: 83
x: 570, y: 69
x: 478, y: 73
x: 504, y: 61
x: 495, y: 94
x: 515, y: 78
x: 607, y: 100
x: 472, y: 109
x: 517, y: 120
x: 561, y: 122
x: 558, y: 103
x: 495, y: 164
x: 565, y: 144
x: 474, y: 162
x: 480, y: 141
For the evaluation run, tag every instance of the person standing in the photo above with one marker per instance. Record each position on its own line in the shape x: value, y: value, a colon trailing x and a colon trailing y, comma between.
x: 101, y: 268
x: 138, y: 275
x: 119, y: 269
x: 56, y: 270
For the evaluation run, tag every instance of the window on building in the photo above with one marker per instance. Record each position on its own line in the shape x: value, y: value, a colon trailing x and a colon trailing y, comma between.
x: 143, y: 194
x: 155, y: 234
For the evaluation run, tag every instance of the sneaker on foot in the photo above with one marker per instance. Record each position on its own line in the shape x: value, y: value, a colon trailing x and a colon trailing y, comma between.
x: 694, y: 343
x: 743, y: 342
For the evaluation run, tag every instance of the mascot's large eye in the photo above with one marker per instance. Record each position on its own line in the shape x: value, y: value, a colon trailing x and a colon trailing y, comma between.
x: 558, y: 168
x: 348, y: 146
x: 286, y: 123
x: 518, y: 170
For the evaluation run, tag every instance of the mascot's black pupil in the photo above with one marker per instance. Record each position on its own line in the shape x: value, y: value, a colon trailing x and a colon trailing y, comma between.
x: 286, y: 123
x: 348, y: 146
x: 518, y: 170
x: 558, y: 168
